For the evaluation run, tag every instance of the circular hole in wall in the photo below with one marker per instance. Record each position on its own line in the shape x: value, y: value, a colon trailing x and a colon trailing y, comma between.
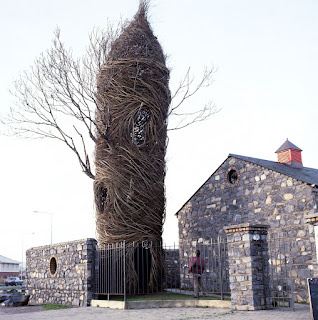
x: 53, y: 266
x: 232, y: 176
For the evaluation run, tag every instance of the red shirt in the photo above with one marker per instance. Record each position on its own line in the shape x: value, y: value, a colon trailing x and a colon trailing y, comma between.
x: 196, y: 265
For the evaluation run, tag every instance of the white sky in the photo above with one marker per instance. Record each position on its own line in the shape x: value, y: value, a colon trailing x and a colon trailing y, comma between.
x: 266, y: 84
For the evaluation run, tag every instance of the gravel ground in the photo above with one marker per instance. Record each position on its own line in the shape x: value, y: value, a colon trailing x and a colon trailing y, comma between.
x: 15, y: 310
x: 32, y: 313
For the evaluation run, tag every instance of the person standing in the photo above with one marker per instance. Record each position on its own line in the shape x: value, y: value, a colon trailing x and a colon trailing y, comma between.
x: 196, y: 269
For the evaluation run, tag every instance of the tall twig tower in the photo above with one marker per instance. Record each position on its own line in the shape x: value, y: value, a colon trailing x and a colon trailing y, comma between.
x: 134, y: 97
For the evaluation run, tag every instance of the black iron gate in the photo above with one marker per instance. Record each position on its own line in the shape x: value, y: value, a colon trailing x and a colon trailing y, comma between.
x: 128, y: 268
x: 110, y: 269
x: 282, y: 284
x: 216, y: 274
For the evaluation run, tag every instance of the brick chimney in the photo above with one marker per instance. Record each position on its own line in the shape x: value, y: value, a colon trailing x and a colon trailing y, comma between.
x: 289, y: 154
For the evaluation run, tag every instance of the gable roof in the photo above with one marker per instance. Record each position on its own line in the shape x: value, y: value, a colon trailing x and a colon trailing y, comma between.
x: 307, y: 175
x: 4, y: 259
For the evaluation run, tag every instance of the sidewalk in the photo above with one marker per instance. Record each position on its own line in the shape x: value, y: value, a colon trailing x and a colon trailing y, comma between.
x: 301, y: 313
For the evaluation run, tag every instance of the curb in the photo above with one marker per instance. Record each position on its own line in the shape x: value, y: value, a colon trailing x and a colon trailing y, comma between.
x: 160, y: 304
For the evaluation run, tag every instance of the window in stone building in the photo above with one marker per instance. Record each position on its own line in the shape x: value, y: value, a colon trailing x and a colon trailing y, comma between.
x: 232, y: 177
x: 53, y: 266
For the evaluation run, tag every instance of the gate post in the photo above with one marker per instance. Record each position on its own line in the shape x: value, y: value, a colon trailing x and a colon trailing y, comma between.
x: 248, y: 266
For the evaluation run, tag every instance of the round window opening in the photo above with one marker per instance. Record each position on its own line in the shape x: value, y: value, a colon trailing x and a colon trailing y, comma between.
x: 232, y: 176
x: 53, y: 266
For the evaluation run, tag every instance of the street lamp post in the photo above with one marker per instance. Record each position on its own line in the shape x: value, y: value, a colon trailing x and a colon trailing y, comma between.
x: 24, y: 236
x: 22, y: 262
x: 51, y: 214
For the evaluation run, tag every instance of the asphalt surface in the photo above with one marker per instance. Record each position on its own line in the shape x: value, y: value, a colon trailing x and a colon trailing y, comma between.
x: 36, y: 313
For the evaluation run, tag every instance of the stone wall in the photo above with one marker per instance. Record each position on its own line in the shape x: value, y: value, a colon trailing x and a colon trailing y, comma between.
x: 259, y: 196
x: 62, y: 273
x: 249, y: 269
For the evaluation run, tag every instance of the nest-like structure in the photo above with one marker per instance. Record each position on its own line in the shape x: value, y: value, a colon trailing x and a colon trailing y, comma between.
x: 133, y: 98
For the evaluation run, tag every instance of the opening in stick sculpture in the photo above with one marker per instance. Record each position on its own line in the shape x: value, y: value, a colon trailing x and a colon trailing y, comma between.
x: 133, y: 101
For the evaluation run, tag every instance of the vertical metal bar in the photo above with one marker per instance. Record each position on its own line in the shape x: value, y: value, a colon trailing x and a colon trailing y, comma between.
x: 220, y: 267
x: 175, y: 267
x: 96, y: 272
x: 287, y: 277
x: 262, y: 243
x: 138, y: 259
x: 215, y: 268
x: 101, y: 270
x: 115, y: 266
x: 280, y: 273
x: 165, y: 254
x: 271, y: 269
x: 119, y: 268
x: 163, y: 270
x: 127, y: 268
x: 208, y: 268
x: 145, y: 266
x: 149, y: 261
x: 133, y: 267
x: 124, y: 269
x: 213, y: 279
x: 106, y: 270
x: 156, y: 255
x: 292, y: 302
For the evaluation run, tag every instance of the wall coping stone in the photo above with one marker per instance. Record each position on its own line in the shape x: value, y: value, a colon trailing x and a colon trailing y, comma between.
x: 74, y: 242
x: 246, y: 227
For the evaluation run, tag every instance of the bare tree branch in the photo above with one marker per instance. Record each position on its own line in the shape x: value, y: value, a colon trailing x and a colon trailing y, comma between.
x: 57, y: 97
x: 186, y: 90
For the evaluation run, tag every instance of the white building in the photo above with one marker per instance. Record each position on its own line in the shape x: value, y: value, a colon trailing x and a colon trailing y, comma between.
x: 8, y: 268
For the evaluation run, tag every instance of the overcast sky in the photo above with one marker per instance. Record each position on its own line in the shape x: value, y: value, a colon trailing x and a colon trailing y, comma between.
x: 265, y: 85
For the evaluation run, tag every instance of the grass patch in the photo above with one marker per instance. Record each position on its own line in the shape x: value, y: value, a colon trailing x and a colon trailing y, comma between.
x: 54, y: 306
x: 163, y: 296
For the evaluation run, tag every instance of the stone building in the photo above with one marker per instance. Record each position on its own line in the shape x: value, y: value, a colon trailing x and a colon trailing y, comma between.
x: 280, y: 194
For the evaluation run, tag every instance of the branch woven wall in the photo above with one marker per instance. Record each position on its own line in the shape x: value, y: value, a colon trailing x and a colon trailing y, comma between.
x: 133, y: 99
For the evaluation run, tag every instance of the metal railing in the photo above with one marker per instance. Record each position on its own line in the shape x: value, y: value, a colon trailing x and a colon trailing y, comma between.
x: 282, y: 284
x: 148, y: 268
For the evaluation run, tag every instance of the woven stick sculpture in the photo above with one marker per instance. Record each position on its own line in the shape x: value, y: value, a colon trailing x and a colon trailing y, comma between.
x: 133, y: 99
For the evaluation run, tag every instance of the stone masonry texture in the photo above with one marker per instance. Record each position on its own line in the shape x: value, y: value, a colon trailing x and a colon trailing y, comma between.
x: 73, y: 282
x: 172, y: 268
x: 249, y: 271
x: 259, y: 196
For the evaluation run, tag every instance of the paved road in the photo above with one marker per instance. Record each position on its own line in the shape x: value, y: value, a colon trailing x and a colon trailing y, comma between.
x: 301, y: 313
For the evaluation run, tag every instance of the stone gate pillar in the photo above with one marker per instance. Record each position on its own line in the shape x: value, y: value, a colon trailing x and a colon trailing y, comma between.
x: 313, y: 220
x: 248, y: 266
